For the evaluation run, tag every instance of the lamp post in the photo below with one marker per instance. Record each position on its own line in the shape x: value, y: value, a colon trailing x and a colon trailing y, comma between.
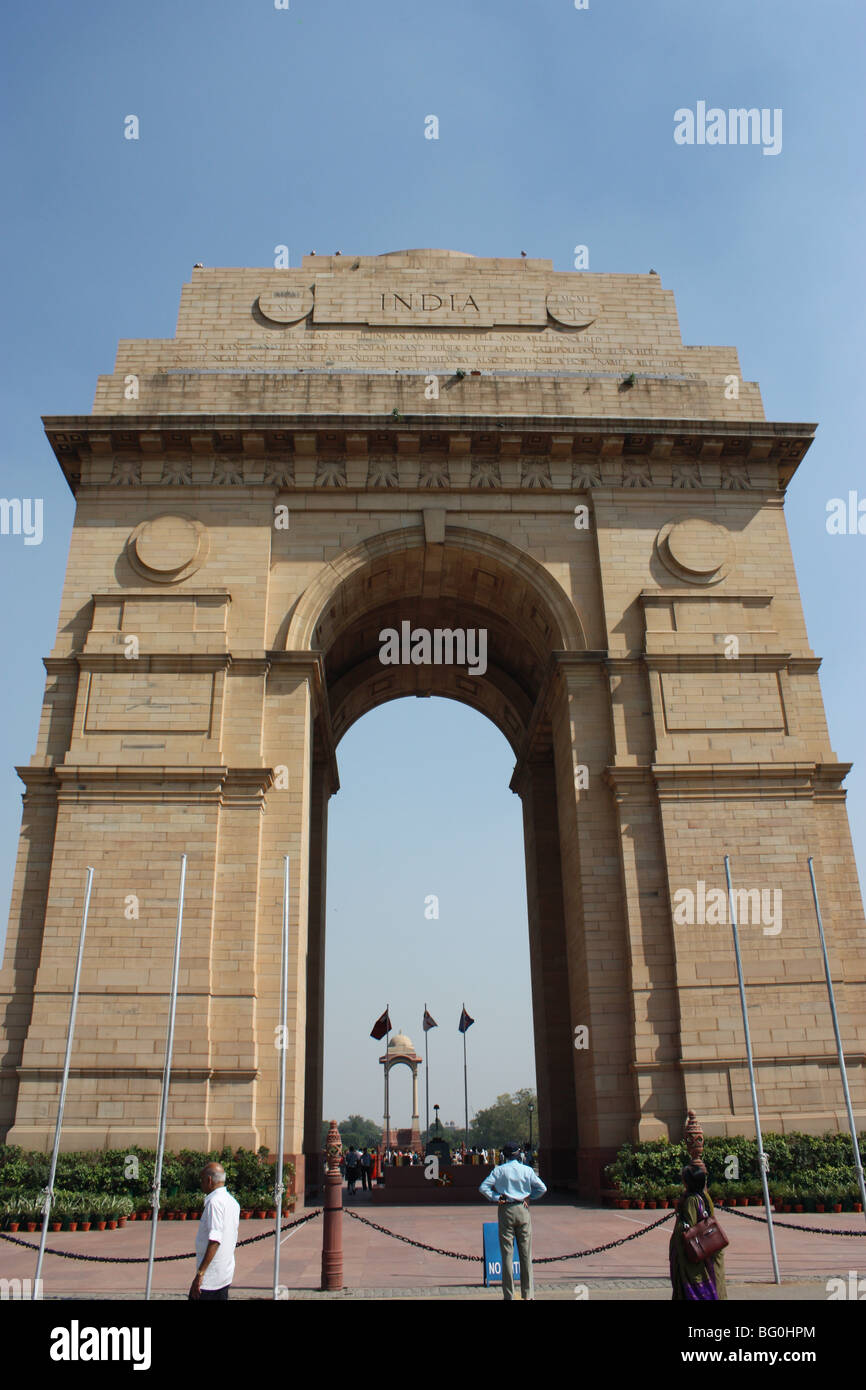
x: 531, y: 1108
x: 436, y: 1108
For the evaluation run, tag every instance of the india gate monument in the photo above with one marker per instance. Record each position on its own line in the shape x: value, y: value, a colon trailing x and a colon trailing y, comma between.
x: 435, y: 445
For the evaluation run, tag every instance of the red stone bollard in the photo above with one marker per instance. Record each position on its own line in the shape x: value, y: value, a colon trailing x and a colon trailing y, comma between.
x: 332, y: 1235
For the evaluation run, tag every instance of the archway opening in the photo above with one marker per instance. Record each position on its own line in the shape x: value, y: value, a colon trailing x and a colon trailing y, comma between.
x: 426, y: 908
x: 466, y: 582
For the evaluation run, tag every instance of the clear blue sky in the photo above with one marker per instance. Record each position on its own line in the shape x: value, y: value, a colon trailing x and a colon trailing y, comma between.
x: 306, y: 127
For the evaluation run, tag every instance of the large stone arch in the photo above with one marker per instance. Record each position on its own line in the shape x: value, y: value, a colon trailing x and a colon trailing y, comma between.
x: 254, y: 649
x: 465, y: 578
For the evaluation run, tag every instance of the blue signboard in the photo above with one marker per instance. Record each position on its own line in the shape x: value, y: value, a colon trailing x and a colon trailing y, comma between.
x: 493, y: 1255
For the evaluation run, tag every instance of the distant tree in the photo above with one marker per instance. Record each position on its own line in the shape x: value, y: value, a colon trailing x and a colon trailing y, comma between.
x: 364, y: 1134
x: 506, y: 1122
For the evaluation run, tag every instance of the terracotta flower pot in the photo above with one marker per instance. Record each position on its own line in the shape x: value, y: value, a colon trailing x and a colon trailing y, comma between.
x: 837, y: 1206
x: 195, y: 1216
x: 798, y: 1206
x: 13, y: 1225
x: 85, y: 1225
x: 55, y: 1225
x: 272, y: 1214
x: 858, y: 1206
x: 112, y: 1223
x: 100, y: 1225
x: 639, y: 1206
x: 73, y: 1226
x: 664, y: 1203
x: 245, y: 1215
x: 31, y: 1225
x: 181, y: 1216
x: 133, y: 1216
x: 260, y: 1215
x: 121, y: 1220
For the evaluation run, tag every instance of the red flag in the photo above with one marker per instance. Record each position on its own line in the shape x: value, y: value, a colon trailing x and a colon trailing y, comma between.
x: 465, y: 1020
x: 381, y: 1026
x: 428, y: 1021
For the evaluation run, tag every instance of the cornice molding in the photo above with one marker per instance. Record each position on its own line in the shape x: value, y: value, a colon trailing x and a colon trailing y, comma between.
x: 723, y: 781
x: 685, y: 458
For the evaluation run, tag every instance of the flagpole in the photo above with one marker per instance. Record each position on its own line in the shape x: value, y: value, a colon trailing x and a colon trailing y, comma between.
x: 281, y: 1122
x: 858, y: 1166
x: 762, y: 1160
x: 427, y: 1070
x: 387, y: 1081
x: 166, y: 1078
x: 465, y: 1084
x: 49, y: 1189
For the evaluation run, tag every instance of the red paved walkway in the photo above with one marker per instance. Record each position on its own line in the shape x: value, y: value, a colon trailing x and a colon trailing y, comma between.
x: 375, y: 1261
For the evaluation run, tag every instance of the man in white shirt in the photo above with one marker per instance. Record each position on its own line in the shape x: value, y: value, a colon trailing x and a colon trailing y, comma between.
x: 215, y: 1238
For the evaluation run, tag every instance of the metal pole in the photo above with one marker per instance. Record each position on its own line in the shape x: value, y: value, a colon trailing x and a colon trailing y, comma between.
x: 166, y: 1078
x: 284, y: 1009
x: 762, y: 1160
x: 387, y: 1086
x: 857, y: 1162
x: 465, y: 1089
x: 427, y: 1072
x: 49, y: 1190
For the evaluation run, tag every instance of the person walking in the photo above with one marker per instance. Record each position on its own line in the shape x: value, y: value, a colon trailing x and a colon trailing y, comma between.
x: 513, y: 1185
x: 215, y: 1238
x: 352, y: 1169
x: 366, y: 1171
x: 702, y: 1281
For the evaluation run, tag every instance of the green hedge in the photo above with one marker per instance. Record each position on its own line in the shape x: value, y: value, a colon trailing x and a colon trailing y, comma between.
x: 105, y: 1171
x: 796, y: 1160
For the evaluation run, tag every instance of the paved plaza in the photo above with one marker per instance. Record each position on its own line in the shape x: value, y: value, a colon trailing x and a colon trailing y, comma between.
x: 377, y: 1266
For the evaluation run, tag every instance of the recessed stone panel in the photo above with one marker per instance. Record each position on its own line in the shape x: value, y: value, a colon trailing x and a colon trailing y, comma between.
x: 700, y: 701
x: 149, y: 702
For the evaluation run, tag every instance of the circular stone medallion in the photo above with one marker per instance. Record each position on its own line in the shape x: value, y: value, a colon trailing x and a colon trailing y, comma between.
x: 167, y: 548
x: 574, y: 310
x: 286, y: 306
x: 695, y: 550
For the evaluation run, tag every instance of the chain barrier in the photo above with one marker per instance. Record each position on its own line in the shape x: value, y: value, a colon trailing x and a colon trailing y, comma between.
x: 418, y: 1244
x: 158, y: 1259
x: 543, y: 1260
x: 792, y: 1225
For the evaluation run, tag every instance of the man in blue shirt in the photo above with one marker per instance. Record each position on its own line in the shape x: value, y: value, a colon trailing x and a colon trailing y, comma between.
x: 513, y: 1185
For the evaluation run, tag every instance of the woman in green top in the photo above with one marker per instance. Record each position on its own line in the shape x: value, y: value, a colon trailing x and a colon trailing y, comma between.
x: 704, y: 1280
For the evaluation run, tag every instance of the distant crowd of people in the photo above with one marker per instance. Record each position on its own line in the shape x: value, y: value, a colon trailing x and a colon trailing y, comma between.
x: 364, y: 1166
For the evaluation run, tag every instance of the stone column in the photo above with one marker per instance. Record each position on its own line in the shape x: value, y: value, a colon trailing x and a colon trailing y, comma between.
x: 551, y: 1008
x: 287, y: 746
x: 595, y: 914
